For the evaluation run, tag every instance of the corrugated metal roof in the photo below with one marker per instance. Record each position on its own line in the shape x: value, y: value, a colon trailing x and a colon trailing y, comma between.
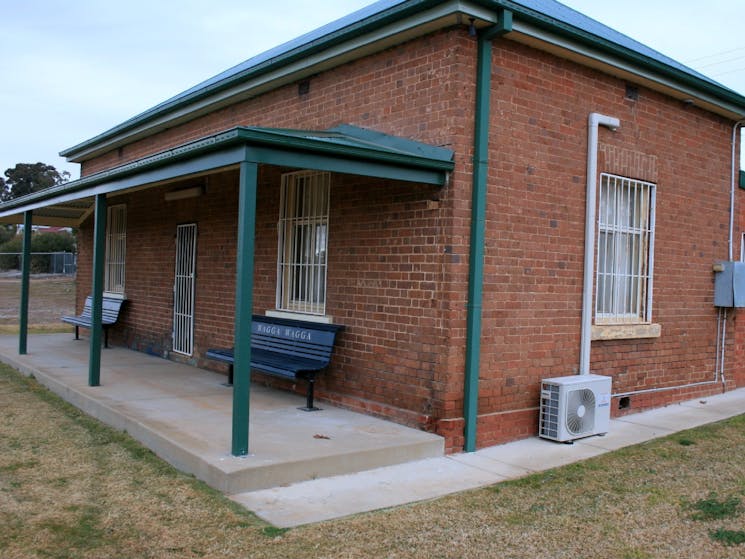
x: 289, y: 46
x: 550, y: 8
x: 357, y: 147
x: 369, y: 140
x: 569, y: 16
x: 256, y: 62
x: 549, y: 13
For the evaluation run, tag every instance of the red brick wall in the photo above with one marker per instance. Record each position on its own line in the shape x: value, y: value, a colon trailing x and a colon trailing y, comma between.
x: 385, y: 270
x: 391, y: 266
x: 146, y: 319
x: 398, y: 254
x: 535, y: 232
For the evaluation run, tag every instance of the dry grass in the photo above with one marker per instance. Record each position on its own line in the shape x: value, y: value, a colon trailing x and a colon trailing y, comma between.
x: 49, y: 299
x: 70, y: 487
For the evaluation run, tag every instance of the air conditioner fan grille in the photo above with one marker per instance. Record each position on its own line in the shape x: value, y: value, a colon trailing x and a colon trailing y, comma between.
x: 580, y: 417
x: 549, y: 419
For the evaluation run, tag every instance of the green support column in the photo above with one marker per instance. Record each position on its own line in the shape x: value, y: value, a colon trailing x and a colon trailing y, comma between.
x: 25, y: 283
x: 99, y: 257
x: 244, y: 286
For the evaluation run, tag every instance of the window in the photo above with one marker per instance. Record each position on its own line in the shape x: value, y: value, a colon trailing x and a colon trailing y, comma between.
x: 625, y: 251
x: 303, y: 239
x: 116, y: 249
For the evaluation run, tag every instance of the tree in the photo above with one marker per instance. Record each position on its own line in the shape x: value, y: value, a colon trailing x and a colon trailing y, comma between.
x: 7, y: 232
x: 26, y: 178
x: 43, y: 242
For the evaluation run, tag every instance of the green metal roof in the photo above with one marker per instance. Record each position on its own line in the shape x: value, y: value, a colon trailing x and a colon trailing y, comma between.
x: 347, y: 140
x: 343, y: 149
x: 398, y: 17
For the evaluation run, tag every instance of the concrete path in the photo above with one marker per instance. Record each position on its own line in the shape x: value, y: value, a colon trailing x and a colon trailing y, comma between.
x: 334, y: 497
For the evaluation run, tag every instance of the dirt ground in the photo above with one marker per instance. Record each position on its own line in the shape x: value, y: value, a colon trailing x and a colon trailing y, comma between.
x: 50, y: 298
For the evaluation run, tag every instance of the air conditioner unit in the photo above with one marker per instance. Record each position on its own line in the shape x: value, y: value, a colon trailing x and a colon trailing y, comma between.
x: 574, y: 407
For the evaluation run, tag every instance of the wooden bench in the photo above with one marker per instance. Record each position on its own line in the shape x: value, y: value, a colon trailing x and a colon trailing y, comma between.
x: 286, y: 348
x: 109, y: 316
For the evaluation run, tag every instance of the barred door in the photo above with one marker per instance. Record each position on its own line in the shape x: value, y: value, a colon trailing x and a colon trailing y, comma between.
x: 183, y: 289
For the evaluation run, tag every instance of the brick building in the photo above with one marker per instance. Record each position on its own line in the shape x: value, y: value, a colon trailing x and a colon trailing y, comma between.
x: 419, y: 172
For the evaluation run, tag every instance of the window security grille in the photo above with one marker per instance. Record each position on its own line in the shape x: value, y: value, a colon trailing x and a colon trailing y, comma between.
x: 116, y: 249
x: 625, y: 250
x: 183, y: 289
x: 303, y: 240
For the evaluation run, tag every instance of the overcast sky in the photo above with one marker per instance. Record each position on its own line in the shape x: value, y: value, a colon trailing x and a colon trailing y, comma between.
x: 75, y: 68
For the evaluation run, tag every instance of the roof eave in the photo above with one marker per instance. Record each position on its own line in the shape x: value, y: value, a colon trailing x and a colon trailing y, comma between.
x: 391, y: 26
x: 714, y: 97
x: 238, y: 143
x: 397, y: 24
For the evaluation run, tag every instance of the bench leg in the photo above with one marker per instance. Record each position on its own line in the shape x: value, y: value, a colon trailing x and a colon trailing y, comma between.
x: 230, y: 376
x: 77, y: 332
x: 309, y: 395
x: 106, y: 338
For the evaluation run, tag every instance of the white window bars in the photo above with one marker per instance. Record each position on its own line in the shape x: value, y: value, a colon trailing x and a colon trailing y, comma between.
x: 625, y: 255
x: 116, y: 249
x: 303, y: 241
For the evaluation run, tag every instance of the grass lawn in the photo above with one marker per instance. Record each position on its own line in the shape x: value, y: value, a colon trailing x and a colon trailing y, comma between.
x: 71, y: 487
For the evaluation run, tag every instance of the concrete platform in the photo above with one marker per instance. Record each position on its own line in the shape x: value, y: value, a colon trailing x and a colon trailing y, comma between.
x: 294, y: 474
x: 184, y: 414
x: 325, y: 499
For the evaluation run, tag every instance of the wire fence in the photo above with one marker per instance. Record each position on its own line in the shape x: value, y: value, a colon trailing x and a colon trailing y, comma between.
x: 64, y: 263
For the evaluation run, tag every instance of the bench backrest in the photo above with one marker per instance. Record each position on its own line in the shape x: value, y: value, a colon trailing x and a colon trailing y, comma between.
x: 110, y: 312
x: 293, y: 337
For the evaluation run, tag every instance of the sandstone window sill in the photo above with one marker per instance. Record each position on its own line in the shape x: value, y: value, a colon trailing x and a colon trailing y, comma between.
x: 625, y: 331
x: 323, y: 319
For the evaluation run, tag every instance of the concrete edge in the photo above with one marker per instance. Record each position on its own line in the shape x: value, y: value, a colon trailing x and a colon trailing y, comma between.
x: 167, y: 449
x: 226, y: 477
x: 332, y: 465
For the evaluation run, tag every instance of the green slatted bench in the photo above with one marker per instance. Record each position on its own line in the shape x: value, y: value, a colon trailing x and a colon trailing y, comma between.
x: 286, y: 348
x: 109, y: 316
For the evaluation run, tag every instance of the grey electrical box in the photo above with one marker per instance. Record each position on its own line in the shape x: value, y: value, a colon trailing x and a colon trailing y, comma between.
x: 729, y: 284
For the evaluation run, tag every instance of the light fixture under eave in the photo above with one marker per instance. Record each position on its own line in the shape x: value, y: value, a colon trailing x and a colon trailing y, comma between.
x: 183, y: 193
x: 471, y: 27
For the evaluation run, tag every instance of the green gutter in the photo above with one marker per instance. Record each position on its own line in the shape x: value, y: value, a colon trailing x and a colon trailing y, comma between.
x: 742, y: 179
x: 478, y: 225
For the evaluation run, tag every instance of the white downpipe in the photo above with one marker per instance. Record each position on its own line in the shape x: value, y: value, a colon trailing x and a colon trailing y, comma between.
x: 718, y: 363
x: 724, y: 346
x: 721, y: 344
x: 595, y: 120
x: 738, y: 124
